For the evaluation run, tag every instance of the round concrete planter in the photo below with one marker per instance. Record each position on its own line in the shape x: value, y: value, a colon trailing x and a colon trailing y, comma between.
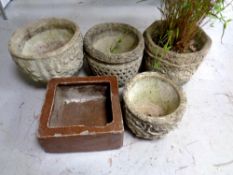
x: 48, y: 48
x: 114, y: 49
x: 179, y: 67
x: 153, y: 105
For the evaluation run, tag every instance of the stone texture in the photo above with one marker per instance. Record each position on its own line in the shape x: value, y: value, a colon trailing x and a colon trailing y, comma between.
x: 179, y: 67
x: 152, y: 126
x: 124, y: 65
x: 124, y: 72
x: 61, y: 62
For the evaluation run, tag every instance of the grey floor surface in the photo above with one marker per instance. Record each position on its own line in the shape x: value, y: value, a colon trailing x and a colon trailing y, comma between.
x: 201, y: 145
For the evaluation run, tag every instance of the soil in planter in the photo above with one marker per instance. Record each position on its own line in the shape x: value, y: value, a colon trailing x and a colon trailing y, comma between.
x: 88, y: 105
x: 195, y: 45
x: 116, y: 42
x: 47, y: 41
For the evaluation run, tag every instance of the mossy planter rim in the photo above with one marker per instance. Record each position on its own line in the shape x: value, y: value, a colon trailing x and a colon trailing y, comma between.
x: 154, y: 119
x: 23, y: 31
x: 203, y: 51
x: 114, y: 58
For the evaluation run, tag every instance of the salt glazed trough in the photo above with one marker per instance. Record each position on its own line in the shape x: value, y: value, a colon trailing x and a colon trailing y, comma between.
x: 81, y: 114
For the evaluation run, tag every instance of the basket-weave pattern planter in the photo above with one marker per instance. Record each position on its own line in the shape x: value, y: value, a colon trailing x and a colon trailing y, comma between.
x: 124, y: 64
x: 124, y: 72
x: 177, y: 66
x: 63, y: 59
x: 153, y: 105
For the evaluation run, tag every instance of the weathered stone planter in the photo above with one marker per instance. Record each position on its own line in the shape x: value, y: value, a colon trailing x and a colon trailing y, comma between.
x: 114, y: 49
x: 179, y: 67
x: 81, y: 114
x: 153, y: 105
x: 48, y: 48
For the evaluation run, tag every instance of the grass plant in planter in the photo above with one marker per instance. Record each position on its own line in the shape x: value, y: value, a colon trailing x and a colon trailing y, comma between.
x: 176, y: 45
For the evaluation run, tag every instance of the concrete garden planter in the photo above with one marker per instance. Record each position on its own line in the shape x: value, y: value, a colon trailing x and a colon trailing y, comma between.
x: 114, y: 49
x: 48, y: 48
x: 153, y: 105
x: 179, y: 67
x: 81, y: 114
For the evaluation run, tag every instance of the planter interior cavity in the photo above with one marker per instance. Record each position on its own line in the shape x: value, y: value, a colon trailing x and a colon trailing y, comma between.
x: 81, y: 114
x: 46, y: 40
x: 115, y: 41
x: 88, y: 105
x: 43, y: 37
x: 153, y: 97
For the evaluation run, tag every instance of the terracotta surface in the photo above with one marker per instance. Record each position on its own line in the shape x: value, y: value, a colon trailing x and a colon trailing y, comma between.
x: 81, y: 114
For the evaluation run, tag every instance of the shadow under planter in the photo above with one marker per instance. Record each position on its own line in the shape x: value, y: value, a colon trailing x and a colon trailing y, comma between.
x: 114, y: 49
x: 153, y: 105
x: 81, y: 114
x: 179, y: 67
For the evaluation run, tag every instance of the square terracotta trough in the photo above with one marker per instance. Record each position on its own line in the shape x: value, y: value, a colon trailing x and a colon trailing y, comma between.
x: 81, y: 114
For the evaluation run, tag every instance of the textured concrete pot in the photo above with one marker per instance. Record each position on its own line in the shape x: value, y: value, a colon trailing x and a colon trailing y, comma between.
x: 114, y: 49
x: 179, y: 67
x: 81, y: 114
x: 153, y: 105
x: 48, y: 48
